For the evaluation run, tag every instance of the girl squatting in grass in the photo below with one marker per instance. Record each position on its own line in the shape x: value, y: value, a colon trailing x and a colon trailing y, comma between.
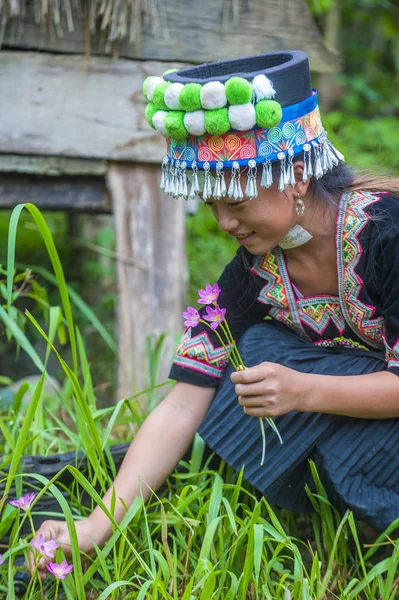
x: 311, y: 296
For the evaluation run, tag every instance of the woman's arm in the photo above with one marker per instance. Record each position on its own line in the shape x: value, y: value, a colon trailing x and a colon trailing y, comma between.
x: 158, y: 446
x: 270, y: 390
x: 371, y: 396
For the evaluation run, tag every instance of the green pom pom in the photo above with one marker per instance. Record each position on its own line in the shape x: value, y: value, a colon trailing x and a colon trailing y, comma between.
x: 150, y: 111
x: 238, y: 90
x: 170, y: 71
x: 217, y: 121
x: 145, y: 85
x: 268, y: 113
x: 189, y: 97
x: 174, y: 125
x: 158, y: 95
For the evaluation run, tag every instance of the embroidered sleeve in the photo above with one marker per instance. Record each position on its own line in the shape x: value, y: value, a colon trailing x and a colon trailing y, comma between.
x: 388, y: 267
x: 200, y: 358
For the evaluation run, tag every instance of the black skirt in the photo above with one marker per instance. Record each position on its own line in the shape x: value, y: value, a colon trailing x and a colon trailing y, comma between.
x: 357, y: 459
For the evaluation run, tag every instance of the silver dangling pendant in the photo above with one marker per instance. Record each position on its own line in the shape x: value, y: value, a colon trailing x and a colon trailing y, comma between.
x: 333, y: 159
x: 318, y: 171
x: 169, y: 179
x: 336, y: 153
x: 307, y: 170
x: 207, y: 193
x: 195, y: 187
x: 217, y: 190
x: 251, y: 191
x: 165, y: 170
x: 267, y: 174
x: 183, y: 187
x: 233, y: 189
x: 177, y: 182
x: 281, y: 185
x: 325, y: 165
x: 223, y: 188
x: 300, y: 206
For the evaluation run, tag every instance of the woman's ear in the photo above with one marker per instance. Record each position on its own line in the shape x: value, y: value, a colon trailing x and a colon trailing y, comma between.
x: 300, y: 186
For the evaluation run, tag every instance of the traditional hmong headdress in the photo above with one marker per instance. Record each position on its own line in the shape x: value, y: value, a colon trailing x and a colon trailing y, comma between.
x: 233, y: 114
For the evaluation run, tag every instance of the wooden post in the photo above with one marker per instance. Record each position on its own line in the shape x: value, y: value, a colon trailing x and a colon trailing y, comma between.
x: 151, y: 270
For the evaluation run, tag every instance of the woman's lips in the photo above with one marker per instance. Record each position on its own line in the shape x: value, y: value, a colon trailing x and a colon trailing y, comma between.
x: 244, y: 240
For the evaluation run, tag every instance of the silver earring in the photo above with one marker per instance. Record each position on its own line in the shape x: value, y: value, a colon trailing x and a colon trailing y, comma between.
x: 300, y: 206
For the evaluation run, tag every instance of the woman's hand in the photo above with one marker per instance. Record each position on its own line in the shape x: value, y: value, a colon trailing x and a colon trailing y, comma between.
x: 270, y: 390
x: 58, y: 531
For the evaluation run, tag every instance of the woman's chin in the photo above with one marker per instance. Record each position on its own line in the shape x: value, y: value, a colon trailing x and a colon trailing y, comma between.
x: 259, y: 247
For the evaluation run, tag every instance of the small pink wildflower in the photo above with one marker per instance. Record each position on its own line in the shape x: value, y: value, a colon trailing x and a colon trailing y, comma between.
x: 215, y: 316
x: 210, y: 294
x: 59, y: 570
x: 2, y: 560
x: 23, y: 502
x: 192, y: 317
x: 46, y: 548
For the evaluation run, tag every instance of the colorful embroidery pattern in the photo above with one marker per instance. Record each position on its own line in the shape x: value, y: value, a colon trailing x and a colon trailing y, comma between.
x: 391, y: 354
x: 259, y: 143
x: 316, y: 312
x: 274, y: 291
x: 199, y: 354
x: 318, y: 315
x: 340, y: 341
x: 352, y: 219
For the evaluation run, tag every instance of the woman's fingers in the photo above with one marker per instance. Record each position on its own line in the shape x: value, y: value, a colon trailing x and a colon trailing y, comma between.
x: 258, y: 411
x: 254, y: 374
x: 251, y: 389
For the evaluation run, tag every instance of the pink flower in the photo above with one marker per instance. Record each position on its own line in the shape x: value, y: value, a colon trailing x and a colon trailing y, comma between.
x: 215, y: 316
x: 2, y: 560
x: 210, y: 294
x: 61, y: 570
x: 23, y: 502
x: 46, y: 548
x: 192, y: 317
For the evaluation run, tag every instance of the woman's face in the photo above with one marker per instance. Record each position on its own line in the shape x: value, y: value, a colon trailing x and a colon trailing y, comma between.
x: 257, y: 224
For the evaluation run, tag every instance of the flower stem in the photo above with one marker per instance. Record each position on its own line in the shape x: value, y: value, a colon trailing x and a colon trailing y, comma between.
x: 234, y: 363
x: 262, y: 429
x: 229, y: 337
x: 56, y: 589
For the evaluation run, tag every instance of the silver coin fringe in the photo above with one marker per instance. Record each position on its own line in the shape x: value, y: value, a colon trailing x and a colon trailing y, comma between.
x: 319, y: 157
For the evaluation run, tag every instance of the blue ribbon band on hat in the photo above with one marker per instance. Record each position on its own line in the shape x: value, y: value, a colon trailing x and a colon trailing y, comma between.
x: 300, y: 124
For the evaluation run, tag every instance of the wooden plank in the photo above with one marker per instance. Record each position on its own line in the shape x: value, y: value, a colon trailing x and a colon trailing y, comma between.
x: 151, y: 281
x: 198, y: 31
x: 81, y: 194
x: 55, y: 106
x: 51, y: 165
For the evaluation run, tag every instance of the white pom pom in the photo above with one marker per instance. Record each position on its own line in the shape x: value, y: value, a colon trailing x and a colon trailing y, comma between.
x: 159, y: 122
x: 194, y: 122
x: 213, y: 95
x: 242, y: 116
x: 171, y: 96
x: 151, y: 85
x: 262, y: 88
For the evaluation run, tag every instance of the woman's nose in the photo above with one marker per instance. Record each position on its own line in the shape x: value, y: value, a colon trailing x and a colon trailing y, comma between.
x: 227, y: 221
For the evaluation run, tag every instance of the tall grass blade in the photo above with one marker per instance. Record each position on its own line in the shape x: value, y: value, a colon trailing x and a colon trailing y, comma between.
x: 55, y: 261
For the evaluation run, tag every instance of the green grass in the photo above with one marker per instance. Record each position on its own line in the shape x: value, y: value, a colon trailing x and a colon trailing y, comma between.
x: 208, y: 535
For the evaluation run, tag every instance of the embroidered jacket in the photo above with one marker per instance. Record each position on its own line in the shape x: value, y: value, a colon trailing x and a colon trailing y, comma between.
x: 364, y: 315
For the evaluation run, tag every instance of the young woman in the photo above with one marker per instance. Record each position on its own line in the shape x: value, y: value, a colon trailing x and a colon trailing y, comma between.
x: 312, y: 298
